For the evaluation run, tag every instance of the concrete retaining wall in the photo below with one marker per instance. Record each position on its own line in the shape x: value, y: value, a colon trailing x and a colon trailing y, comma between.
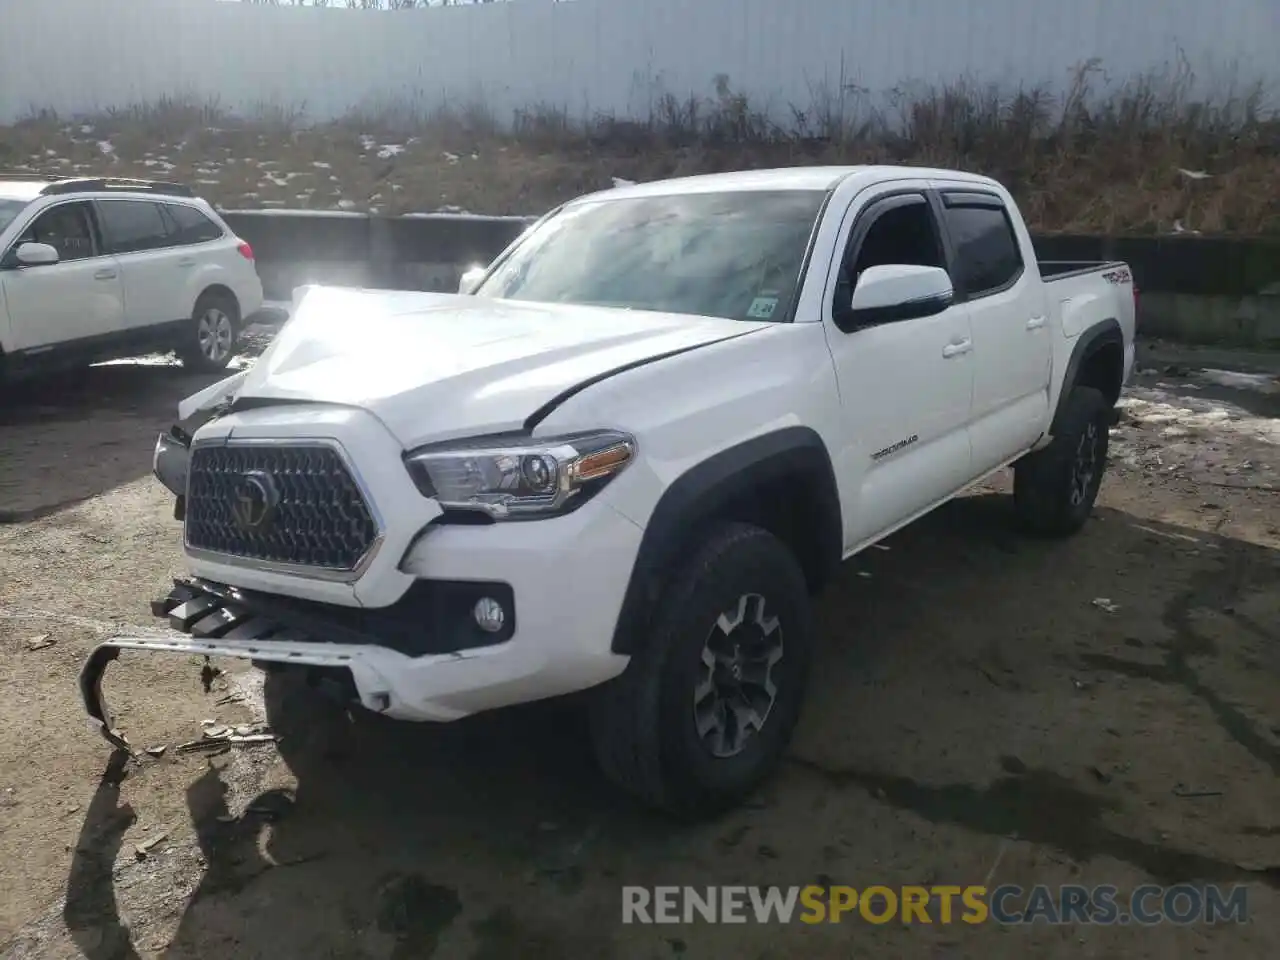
x: 1193, y: 289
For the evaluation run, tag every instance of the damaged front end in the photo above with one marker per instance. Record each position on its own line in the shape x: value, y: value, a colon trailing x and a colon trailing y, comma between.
x: 212, y: 620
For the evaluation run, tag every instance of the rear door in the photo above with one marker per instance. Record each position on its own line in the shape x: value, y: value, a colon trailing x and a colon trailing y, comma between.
x: 995, y: 275
x: 904, y: 386
x: 155, y: 271
x: 71, y: 303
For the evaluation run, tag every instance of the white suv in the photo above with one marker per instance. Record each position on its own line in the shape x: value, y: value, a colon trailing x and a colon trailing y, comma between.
x: 94, y: 269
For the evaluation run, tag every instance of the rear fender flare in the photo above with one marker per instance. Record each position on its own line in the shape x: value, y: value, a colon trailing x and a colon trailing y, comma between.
x: 1100, y: 335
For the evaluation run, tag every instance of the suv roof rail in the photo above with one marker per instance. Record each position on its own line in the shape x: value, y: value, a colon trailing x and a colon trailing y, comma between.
x: 82, y: 184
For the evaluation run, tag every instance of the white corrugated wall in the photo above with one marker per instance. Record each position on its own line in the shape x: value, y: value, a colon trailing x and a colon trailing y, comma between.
x: 608, y: 56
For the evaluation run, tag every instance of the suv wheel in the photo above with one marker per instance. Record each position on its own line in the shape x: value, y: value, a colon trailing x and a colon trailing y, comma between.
x: 1054, y: 489
x: 703, y: 712
x: 211, y: 340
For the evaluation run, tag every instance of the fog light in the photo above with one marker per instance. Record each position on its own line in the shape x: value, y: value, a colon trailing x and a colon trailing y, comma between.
x: 489, y: 615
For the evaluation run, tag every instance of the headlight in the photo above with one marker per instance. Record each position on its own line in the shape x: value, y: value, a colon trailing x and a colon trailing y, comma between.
x: 169, y: 463
x: 522, y: 478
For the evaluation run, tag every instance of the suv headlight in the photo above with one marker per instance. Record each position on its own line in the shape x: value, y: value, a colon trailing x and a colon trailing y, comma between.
x: 521, y: 478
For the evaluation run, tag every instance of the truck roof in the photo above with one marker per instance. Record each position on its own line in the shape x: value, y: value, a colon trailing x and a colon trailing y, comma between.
x: 784, y: 178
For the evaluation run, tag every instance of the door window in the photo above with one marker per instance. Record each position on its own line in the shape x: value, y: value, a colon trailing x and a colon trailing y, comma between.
x: 988, y: 258
x: 132, y: 226
x: 900, y: 230
x: 68, y: 228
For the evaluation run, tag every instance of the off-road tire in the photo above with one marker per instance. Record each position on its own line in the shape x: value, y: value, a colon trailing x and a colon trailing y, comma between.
x: 1054, y: 489
x: 643, y: 723
x: 209, y: 341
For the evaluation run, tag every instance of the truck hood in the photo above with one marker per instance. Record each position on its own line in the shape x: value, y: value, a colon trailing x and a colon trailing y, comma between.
x: 439, y: 366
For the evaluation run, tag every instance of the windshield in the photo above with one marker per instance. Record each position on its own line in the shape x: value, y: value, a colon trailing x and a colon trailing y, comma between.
x: 734, y: 255
x: 10, y: 209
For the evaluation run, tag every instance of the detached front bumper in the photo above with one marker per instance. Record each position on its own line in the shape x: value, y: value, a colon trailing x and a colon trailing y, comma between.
x: 416, y: 663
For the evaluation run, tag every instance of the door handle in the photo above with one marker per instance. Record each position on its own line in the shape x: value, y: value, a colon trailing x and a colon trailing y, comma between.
x: 1035, y: 323
x: 107, y: 274
x: 955, y: 349
x: 187, y: 262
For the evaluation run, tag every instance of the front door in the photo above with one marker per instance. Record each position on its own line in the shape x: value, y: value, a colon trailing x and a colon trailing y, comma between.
x: 72, y: 302
x: 905, y: 387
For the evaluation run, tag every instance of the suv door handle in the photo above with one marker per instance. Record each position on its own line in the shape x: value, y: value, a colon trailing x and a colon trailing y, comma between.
x: 1035, y: 323
x: 955, y: 349
x: 107, y: 274
x: 187, y: 262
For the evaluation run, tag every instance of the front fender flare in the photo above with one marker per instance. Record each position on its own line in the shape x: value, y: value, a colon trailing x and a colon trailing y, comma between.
x: 695, y: 497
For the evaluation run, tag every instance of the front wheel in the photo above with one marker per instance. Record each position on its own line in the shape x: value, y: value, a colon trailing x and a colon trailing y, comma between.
x: 1054, y: 489
x: 211, y: 337
x: 704, y: 710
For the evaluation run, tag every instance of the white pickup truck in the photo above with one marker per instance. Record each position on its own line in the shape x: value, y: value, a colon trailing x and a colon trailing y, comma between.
x: 625, y: 456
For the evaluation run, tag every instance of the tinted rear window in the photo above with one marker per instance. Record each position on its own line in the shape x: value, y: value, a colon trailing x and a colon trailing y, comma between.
x: 987, y: 254
x: 133, y: 225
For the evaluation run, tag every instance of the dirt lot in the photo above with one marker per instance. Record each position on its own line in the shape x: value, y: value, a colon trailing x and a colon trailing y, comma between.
x: 975, y: 718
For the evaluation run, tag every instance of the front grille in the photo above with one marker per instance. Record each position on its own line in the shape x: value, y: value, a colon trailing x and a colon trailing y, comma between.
x: 296, y: 505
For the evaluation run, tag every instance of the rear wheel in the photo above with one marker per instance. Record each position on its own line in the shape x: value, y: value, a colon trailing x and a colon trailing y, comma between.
x: 1054, y: 489
x: 210, y: 342
x: 703, y: 712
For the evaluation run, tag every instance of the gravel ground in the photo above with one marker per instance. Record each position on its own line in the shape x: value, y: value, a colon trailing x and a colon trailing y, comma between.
x: 986, y: 709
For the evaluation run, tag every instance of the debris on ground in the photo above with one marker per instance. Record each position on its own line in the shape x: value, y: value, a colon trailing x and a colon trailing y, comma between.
x: 1188, y: 793
x: 40, y: 642
x: 1103, y: 603
x: 157, y: 751
x: 146, y: 846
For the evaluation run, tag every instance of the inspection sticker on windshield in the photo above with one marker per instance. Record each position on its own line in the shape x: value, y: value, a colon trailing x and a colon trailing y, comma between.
x: 762, y: 308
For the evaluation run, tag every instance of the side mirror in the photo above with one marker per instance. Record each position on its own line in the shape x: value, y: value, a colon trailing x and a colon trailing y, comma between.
x: 470, y: 280
x: 36, y: 255
x: 899, y: 291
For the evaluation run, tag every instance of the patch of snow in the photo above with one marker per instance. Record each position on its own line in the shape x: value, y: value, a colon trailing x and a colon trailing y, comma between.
x: 390, y: 150
x: 321, y: 165
x: 51, y: 153
x: 209, y: 183
x: 86, y: 128
x: 1158, y: 407
x: 1194, y: 174
x: 367, y: 142
x: 1262, y: 382
x: 106, y: 147
x: 619, y: 182
x: 451, y: 157
x: 346, y: 204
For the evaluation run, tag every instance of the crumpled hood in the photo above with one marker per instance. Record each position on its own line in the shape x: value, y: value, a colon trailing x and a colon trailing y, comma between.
x: 437, y: 366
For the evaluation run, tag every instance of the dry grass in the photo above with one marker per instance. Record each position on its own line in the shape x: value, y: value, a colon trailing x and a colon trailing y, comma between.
x: 1148, y: 156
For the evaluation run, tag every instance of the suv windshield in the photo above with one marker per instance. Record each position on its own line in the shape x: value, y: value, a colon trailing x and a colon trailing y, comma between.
x: 10, y: 209
x: 734, y: 255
